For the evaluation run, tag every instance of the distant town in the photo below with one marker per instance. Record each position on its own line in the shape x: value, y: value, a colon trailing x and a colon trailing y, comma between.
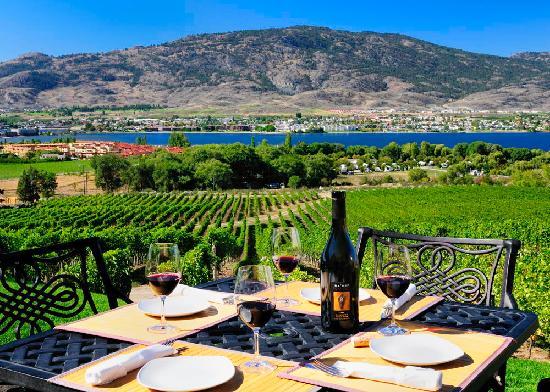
x: 100, y: 120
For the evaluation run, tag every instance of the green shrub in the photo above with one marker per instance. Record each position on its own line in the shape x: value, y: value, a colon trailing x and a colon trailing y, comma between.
x: 118, y: 262
x: 418, y: 175
x: 196, y: 265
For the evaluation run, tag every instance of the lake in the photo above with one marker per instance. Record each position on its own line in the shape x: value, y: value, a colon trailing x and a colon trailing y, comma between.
x: 378, y: 139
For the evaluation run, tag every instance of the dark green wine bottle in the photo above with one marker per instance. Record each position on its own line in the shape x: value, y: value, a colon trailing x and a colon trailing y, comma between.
x: 339, y: 274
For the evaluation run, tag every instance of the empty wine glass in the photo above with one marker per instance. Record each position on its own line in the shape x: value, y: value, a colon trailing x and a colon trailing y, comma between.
x: 163, y: 272
x: 256, y: 301
x: 393, y: 276
x: 287, y: 251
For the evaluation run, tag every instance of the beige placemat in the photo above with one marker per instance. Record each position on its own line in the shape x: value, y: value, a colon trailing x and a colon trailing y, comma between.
x: 128, y: 323
x: 369, y: 310
x: 480, y: 350
x: 241, y: 381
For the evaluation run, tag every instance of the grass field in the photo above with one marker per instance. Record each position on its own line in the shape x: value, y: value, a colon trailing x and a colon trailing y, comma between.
x: 524, y: 375
x: 14, y: 170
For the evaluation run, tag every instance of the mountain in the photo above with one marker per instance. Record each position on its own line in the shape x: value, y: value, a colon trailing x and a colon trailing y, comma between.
x: 279, y: 70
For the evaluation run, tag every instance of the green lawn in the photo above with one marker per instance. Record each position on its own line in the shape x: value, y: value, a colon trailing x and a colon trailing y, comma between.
x: 524, y: 375
x: 14, y: 170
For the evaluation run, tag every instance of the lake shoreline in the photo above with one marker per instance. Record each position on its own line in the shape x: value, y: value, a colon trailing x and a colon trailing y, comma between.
x: 377, y: 139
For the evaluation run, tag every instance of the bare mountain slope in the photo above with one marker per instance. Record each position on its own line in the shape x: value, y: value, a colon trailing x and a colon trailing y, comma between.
x: 275, y: 70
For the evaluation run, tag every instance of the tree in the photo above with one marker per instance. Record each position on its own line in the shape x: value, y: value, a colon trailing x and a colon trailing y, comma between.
x: 289, y: 165
x: 141, y: 140
x: 109, y: 171
x: 319, y: 169
x: 418, y: 175
x: 169, y: 174
x: 287, y: 145
x: 178, y: 139
x: 140, y: 176
x: 214, y: 174
x: 48, y: 184
x: 392, y: 150
x: 34, y: 183
x: 294, y: 182
x: 252, y: 142
x: 410, y: 151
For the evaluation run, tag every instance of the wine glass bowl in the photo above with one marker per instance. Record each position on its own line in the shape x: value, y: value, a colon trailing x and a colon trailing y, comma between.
x: 162, y: 272
x: 393, y: 275
x: 256, y: 302
x: 287, y: 252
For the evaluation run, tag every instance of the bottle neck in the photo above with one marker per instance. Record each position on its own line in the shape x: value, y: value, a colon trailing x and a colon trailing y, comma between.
x: 339, y: 213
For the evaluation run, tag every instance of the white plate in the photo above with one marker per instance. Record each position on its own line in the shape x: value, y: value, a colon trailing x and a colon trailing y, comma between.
x: 313, y: 294
x: 174, y: 306
x: 416, y: 349
x: 193, y: 373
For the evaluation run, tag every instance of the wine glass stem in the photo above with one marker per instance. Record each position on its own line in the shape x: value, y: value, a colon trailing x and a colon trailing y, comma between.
x: 286, y: 287
x: 393, y: 323
x: 256, y: 343
x: 162, y: 317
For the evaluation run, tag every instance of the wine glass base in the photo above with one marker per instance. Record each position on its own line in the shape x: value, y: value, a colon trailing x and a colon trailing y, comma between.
x: 287, y: 302
x: 392, y: 330
x: 160, y: 329
x: 257, y: 367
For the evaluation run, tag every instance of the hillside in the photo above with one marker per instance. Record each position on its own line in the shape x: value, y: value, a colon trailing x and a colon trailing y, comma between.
x: 278, y: 70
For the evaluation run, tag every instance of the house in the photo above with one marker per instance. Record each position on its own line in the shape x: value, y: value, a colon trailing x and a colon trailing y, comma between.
x: 343, y: 169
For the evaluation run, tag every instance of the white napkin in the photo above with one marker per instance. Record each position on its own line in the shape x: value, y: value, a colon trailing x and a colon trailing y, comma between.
x: 407, y: 295
x: 211, y: 296
x: 121, y: 365
x: 409, y: 376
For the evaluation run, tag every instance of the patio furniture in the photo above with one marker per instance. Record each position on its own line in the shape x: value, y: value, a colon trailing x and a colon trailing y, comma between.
x: 292, y: 336
x: 32, y: 291
x: 453, y: 268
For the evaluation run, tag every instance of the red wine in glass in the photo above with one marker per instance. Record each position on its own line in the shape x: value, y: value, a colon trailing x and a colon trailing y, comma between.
x: 255, y: 314
x: 286, y: 264
x: 163, y: 283
x: 393, y: 286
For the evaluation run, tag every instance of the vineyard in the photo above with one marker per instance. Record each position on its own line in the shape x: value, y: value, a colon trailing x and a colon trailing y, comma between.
x: 239, y: 224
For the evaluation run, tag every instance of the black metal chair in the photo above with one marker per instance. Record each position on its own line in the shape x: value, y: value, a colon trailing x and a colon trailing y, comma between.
x: 32, y: 291
x: 443, y: 266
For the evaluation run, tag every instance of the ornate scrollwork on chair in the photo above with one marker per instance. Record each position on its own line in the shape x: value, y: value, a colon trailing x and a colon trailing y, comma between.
x: 32, y: 293
x: 437, y: 271
x: 436, y: 275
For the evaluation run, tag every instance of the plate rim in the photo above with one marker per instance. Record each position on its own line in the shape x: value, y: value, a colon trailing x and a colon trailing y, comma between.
x: 186, y: 358
x: 459, y: 353
x: 205, y: 305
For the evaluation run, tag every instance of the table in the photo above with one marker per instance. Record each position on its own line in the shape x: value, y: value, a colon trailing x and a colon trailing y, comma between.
x: 30, y: 362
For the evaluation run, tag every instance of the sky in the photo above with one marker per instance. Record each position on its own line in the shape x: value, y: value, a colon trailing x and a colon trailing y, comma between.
x: 58, y: 27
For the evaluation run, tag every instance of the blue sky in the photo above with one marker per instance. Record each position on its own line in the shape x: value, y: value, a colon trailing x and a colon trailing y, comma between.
x: 62, y: 26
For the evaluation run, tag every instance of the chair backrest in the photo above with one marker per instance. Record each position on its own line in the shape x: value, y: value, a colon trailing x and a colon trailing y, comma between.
x: 33, y: 292
x: 458, y: 269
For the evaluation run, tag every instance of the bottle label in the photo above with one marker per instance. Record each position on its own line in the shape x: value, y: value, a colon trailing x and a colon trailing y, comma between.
x: 341, y: 301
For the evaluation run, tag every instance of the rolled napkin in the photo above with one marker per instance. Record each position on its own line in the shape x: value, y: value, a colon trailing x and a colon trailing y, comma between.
x: 409, y: 376
x: 121, y: 365
x: 406, y: 297
x: 211, y: 296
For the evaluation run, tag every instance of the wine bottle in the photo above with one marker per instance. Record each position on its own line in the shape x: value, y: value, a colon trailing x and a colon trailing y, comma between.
x: 339, y: 274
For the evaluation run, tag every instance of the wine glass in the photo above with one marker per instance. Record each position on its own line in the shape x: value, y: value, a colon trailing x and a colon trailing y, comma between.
x: 256, y: 301
x: 393, y: 275
x: 287, y: 251
x: 163, y: 272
